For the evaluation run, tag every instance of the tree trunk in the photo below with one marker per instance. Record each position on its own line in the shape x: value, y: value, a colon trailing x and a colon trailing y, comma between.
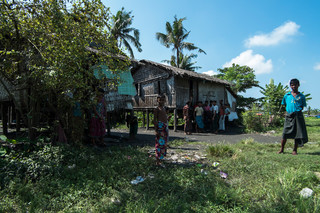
x: 178, y: 63
x: 31, y: 116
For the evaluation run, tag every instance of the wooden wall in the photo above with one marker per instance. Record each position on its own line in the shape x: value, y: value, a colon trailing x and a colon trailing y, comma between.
x: 197, y: 90
x: 151, y: 81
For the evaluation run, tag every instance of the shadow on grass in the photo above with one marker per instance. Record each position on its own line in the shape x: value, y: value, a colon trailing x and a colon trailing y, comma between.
x: 313, y: 153
x: 67, y: 178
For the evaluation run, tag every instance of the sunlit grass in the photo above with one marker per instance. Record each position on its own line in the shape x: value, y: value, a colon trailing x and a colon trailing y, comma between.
x: 64, y: 178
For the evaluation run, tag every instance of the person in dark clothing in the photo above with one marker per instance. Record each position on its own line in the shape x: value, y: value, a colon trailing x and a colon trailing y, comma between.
x: 294, y: 125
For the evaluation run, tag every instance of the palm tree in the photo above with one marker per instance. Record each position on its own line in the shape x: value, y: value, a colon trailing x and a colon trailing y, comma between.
x: 184, y: 62
x: 175, y: 36
x: 120, y: 31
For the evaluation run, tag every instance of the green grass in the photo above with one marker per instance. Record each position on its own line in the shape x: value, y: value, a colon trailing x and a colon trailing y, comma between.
x: 67, y: 179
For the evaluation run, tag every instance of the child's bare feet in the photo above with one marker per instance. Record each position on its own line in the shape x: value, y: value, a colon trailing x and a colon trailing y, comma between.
x: 294, y: 153
x: 280, y: 152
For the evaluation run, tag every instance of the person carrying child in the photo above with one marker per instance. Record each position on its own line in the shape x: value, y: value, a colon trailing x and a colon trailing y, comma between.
x: 294, y: 125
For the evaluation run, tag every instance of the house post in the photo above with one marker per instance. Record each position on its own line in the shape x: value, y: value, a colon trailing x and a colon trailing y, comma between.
x: 175, y: 120
x: 143, y: 118
x: 147, y: 120
x: 108, y: 123
x: 4, y: 116
x: 10, y: 118
x: 18, y: 117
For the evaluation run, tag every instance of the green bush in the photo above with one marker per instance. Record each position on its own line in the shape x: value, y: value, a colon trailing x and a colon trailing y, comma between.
x: 259, y: 120
x: 253, y: 121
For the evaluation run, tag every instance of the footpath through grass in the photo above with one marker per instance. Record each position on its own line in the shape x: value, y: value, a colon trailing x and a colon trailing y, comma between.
x: 66, y: 179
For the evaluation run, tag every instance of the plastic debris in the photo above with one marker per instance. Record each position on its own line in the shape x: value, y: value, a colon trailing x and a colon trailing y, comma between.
x: 215, y: 164
x: 306, y: 192
x: 223, y: 175
x: 204, y: 172
x: 115, y: 200
x: 197, y: 156
x: 151, y: 176
x: 72, y: 166
x: 175, y: 157
x: 317, y: 174
x: 139, y: 179
x: 199, y: 165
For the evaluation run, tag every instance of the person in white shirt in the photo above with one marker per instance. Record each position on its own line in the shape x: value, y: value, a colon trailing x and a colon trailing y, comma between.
x: 215, y: 117
x: 227, y: 113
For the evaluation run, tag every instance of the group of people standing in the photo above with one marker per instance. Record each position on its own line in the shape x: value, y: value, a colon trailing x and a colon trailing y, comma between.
x: 206, y: 117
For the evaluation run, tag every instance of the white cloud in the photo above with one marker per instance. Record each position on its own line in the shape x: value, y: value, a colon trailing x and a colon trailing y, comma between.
x: 257, y: 62
x: 317, y: 66
x: 210, y: 72
x: 278, y: 35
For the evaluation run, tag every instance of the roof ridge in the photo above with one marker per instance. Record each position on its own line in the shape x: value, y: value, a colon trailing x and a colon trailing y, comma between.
x: 181, y: 72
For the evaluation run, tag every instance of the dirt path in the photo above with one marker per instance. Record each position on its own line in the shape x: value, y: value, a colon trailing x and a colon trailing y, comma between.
x: 146, y: 137
x: 189, y: 152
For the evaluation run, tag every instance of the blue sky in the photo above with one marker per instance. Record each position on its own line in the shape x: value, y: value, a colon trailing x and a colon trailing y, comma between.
x: 278, y: 39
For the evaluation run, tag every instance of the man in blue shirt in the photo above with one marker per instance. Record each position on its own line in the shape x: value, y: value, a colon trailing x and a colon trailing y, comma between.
x: 294, y: 125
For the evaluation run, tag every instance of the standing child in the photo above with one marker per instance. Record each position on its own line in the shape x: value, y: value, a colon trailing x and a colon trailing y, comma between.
x: 294, y: 125
x: 161, y: 130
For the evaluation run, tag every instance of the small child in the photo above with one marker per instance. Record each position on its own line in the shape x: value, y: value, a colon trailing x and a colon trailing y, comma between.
x: 294, y: 125
x: 161, y: 130
x: 132, y: 124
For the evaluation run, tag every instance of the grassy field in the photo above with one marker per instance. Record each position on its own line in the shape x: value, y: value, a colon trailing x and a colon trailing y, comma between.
x: 66, y: 179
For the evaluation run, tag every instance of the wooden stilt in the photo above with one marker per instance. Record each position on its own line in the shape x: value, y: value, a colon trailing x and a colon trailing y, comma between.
x: 18, y: 118
x: 147, y: 128
x: 4, y: 115
x: 175, y: 120
x: 10, y: 118
x: 143, y: 118
x: 108, y: 123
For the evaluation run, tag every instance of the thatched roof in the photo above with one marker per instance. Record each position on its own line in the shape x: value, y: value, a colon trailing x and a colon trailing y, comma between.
x: 185, y: 73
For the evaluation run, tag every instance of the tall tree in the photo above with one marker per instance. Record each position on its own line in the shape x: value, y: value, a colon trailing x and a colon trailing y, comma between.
x: 121, y: 30
x: 185, y: 62
x: 43, y: 47
x: 241, y: 77
x: 175, y: 37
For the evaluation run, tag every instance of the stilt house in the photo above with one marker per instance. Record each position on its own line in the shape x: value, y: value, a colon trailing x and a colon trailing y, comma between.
x: 179, y: 86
